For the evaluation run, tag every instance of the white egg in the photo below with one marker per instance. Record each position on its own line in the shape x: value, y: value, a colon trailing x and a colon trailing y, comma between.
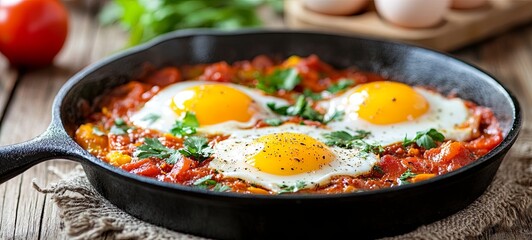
x: 213, y: 107
x: 336, y: 7
x: 413, y: 13
x: 302, y: 160
x: 447, y: 115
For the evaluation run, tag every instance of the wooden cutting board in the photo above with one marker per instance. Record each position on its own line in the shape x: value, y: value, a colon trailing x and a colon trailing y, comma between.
x: 459, y: 28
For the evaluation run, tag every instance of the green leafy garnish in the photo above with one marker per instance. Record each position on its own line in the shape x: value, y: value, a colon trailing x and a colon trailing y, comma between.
x: 426, y: 139
x: 273, y: 121
x: 120, y: 127
x: 96, y: 131
x: 312, y: 95
x: 185, y: 127
x: 280, y: 79
x: 146, y: 19
x: 340, y: 85
x: 366, y: 147
x: 196, y: 147
x: 378, y: 169
x: 338, y: 115
x: 344, y: 139
x: 207, y: 182
x: 293, y: 188
x: 301, y: 108
x: 151, y: 118
x: 406, y: 175
x: 152, y: 147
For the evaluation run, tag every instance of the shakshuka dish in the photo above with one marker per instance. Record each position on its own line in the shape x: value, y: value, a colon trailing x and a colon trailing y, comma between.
x: 284, y: 126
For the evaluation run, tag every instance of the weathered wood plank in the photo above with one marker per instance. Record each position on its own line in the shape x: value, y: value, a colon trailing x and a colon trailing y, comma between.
x: 8, y: 78
x: 27, y: 116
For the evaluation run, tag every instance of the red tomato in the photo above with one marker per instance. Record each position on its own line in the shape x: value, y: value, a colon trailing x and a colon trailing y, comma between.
x: 32, y: 32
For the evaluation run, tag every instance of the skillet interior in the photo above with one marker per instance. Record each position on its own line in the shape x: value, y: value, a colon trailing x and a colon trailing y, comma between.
x: 368, y: 214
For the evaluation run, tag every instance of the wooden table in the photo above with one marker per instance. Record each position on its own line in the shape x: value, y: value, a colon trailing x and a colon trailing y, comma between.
x: 26, y: 98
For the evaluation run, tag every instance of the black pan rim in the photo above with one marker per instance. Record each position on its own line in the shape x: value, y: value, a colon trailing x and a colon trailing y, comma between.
x: 503, y: 147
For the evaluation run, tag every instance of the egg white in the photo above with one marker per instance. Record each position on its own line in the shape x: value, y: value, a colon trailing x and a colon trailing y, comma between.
x: 160, y: 105
x: 444, y: 114
x: 230, y: 159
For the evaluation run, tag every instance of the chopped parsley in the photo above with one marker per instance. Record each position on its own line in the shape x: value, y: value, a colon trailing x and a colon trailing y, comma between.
x: 301, y: 108
x: 406, y: 175
x: 196, y: 147
x: 120, y: 127
x: 207, y: 182
x: 185, y: 127
x: 280, y: 79
x: 151, y: 118
x: 293, y: 188
x: 340, y: 85
x: 96, y: 131
x: 152, y: 147
x: 426, y: 139
x: 312, y: 95
x: 344, y: 139
x: 273, y: 121
x: 378, y: 169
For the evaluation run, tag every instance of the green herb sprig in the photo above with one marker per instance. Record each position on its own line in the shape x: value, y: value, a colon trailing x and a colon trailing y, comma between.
x: 292, y: 188
x: 185, y: 127
x: 280, y: 79
x: 194, y: 147
x: 303, y: 109
x: 208, y: 183
x: 120, y: 127
x: 426, y: 139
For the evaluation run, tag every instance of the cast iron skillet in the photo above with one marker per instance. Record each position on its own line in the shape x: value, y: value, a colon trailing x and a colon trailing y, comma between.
x: 368, y: 214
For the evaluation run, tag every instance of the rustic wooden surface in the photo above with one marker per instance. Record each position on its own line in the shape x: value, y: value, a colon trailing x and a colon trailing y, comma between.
x: 26, y: 98
x: 458, y: 27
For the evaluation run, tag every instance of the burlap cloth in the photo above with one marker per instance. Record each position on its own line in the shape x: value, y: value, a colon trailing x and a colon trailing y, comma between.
x: 504, y: 211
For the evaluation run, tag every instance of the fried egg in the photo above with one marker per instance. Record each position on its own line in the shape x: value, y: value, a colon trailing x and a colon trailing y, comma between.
x: 218, y: 107
x: 289, y: 156
x: 392, y: 111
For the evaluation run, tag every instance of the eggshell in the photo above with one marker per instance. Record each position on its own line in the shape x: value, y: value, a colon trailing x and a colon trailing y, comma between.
x: 468, y: 4
x: 413, y: 13
x: 336, y: 7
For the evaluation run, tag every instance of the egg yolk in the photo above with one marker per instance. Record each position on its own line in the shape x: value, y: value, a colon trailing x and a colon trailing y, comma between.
x: 385, y: 102
x: 290, y: 154
x: 214, y: 103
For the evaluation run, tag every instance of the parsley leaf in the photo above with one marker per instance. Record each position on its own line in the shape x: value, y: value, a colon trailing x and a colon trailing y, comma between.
x: 151, y: 118
x: 301, y: 108
x: 207, y: 181
x: 426, y: 139
x: 340, y: 85
x: 152, y: 147
x: 196, y: 147
x: 120, y: 127
x: 186, y: 126
x: 145, y: 20
x: 343, y: 138
x: 312, y: 95
x: 293, y: 188
x: 366, y: 147
x: 96, y: 131
x: 406, y: 175
x: 273, y: 121
x: 338, y: 115
x: 280, y: 79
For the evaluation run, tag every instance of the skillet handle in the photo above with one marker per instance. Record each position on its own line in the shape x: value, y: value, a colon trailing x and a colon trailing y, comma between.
x: 52, y: 144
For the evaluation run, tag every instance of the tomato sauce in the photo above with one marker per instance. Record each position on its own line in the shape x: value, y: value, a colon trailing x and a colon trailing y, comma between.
x: 397, y: 164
